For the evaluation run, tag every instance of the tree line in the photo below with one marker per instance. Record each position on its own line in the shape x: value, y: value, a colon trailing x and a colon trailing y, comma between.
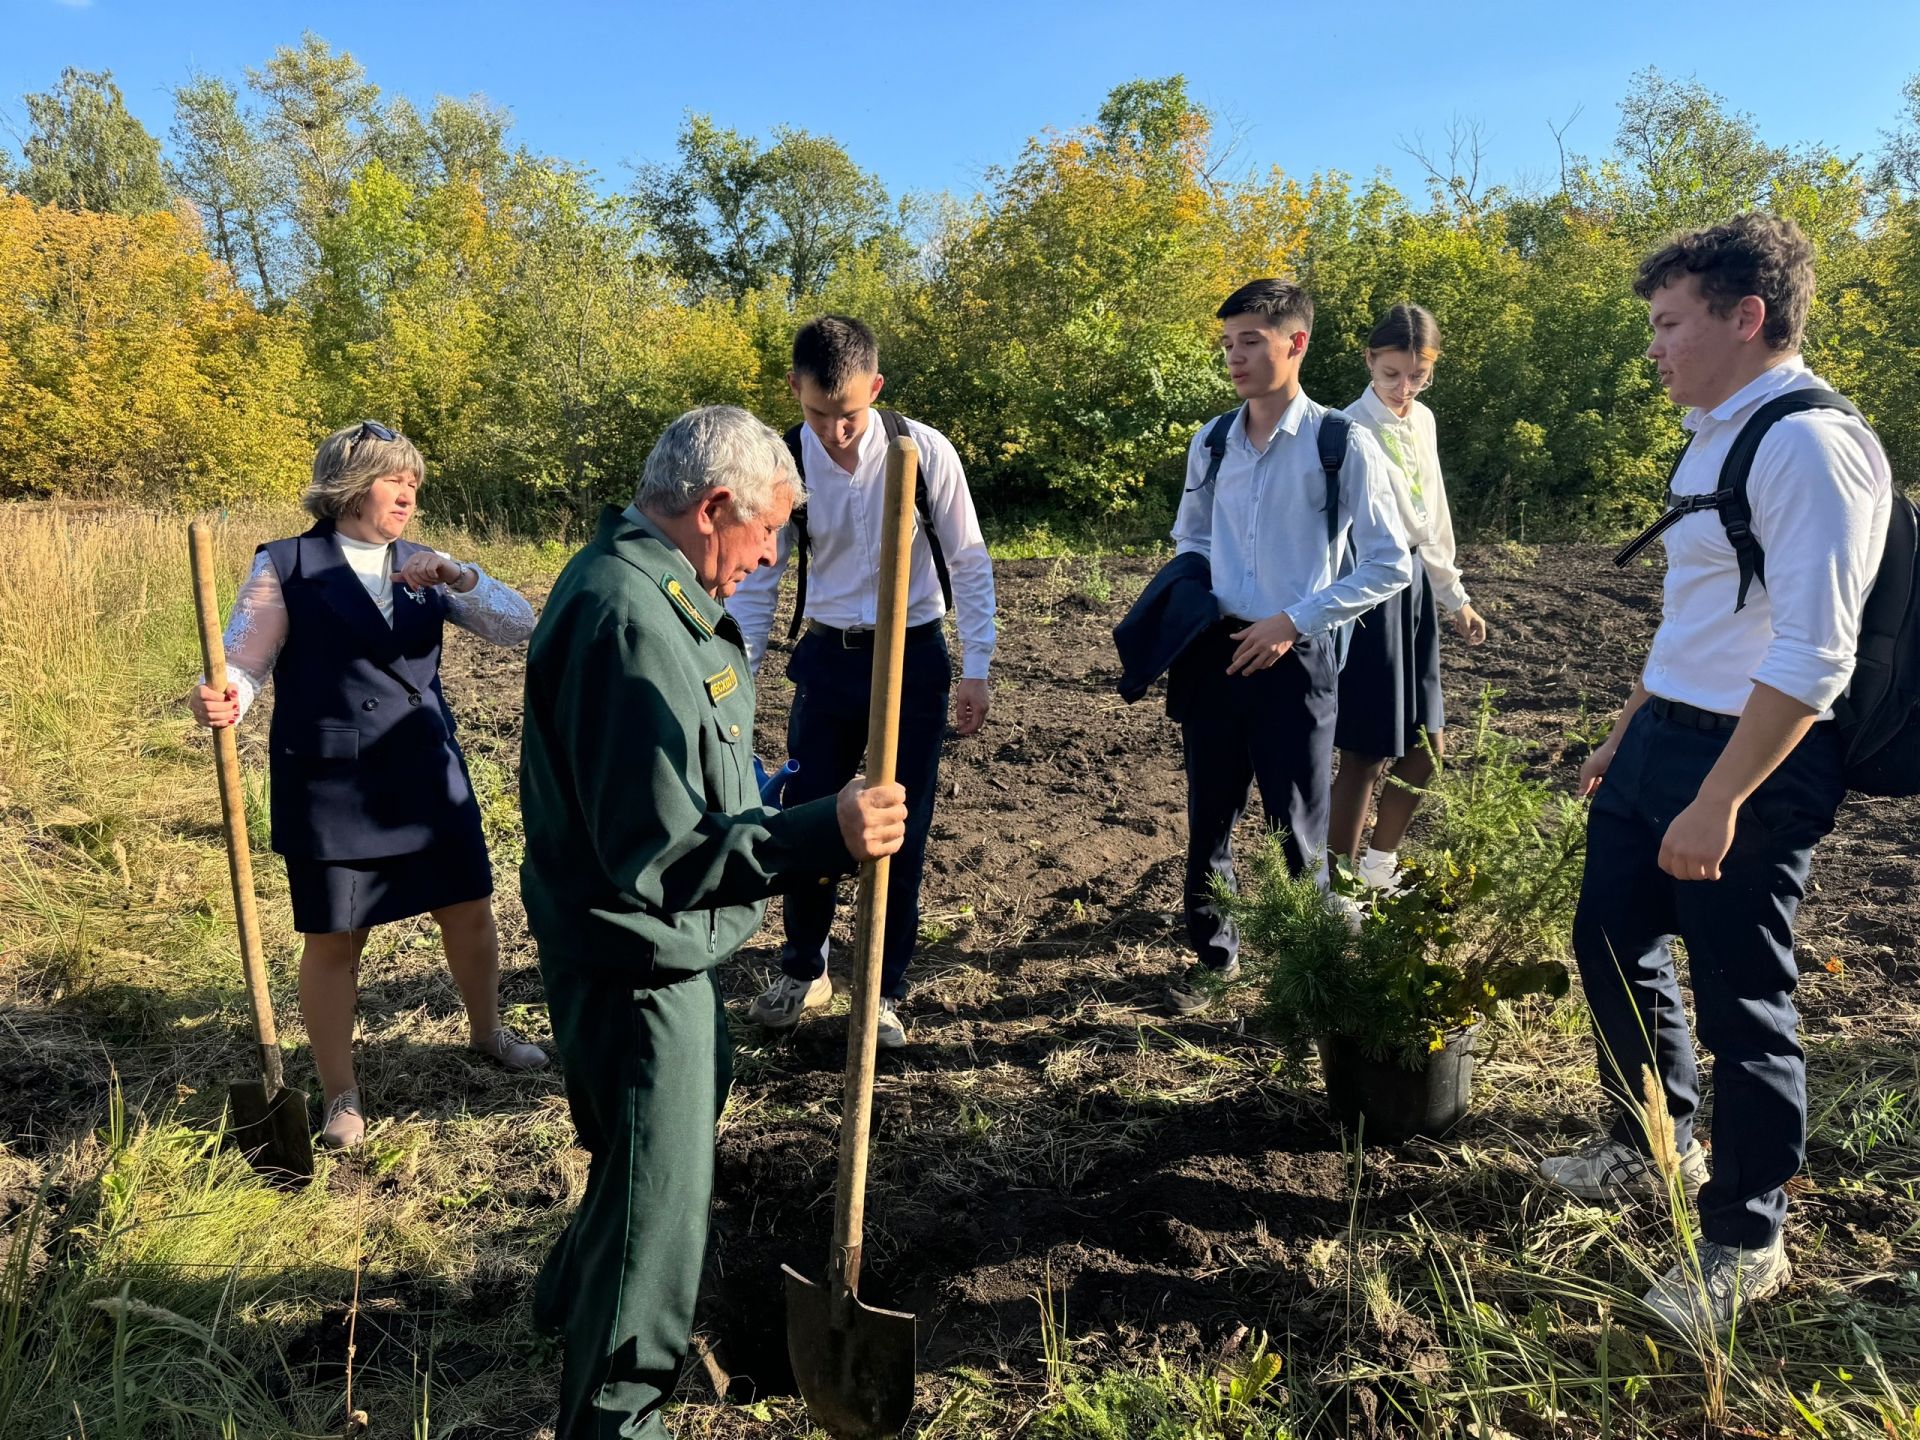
x: 183, y: 322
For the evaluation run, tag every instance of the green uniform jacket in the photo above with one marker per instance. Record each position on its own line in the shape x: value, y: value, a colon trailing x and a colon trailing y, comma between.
x: 647, y: 845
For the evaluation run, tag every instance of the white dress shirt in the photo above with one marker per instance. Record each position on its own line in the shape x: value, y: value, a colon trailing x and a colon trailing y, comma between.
x: 1412, y: 447
x: 1262, y: 524
x: 1821, y: 491
x: 843, y: 541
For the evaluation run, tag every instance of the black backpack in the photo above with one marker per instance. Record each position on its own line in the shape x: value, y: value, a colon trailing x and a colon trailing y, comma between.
x: 1335, y: 427
x: 1880, y: 713
x: 894, y: 428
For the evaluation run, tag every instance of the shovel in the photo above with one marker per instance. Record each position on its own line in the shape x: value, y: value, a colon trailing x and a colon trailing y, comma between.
x: 854, y: 1362
x: 268, y: 1122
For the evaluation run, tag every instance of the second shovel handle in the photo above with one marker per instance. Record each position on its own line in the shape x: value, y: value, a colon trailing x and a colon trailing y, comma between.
x: 233, y: 812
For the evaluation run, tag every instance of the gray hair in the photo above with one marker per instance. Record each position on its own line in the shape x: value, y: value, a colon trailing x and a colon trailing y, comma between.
x: 713, y: 447
x: 348, y: 462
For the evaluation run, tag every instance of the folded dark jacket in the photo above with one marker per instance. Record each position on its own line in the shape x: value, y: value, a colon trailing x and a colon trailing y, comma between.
x: 1175, y: 609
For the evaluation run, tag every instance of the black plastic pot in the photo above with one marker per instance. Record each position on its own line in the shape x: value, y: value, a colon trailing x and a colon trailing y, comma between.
x: 1393, y: 1102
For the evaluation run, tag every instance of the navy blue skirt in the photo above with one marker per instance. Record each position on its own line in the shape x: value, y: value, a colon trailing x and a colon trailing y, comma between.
x: 334, y: 895
x: 1390, y: 685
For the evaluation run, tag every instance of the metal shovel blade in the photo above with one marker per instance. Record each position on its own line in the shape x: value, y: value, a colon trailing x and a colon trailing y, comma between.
x: 271, y: 1130
x: 854, y: 1363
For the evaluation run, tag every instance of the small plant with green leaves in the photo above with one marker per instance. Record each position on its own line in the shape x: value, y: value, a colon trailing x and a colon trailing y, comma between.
x: 1480, y: 915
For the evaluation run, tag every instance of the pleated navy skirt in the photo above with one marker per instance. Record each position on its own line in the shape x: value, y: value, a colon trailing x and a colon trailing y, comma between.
x: 334, y: 895
x: 1390, y: 685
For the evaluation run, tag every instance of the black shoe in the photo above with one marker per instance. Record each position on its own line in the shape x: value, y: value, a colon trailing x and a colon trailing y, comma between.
x: 1196, y: 990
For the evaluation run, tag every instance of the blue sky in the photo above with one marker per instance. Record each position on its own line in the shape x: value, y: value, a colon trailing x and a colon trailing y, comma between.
x: 929, y: 96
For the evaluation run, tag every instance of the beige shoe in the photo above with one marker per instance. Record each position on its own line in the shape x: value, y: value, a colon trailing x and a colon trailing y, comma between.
x: 510, y: 1052
x: 346, y: 1123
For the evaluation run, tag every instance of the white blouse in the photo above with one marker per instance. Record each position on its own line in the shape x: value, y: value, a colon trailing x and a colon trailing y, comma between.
x: 1413, y: 452
x: 257, y: 626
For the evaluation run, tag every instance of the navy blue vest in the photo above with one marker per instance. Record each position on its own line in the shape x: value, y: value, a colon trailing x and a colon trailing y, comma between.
x: 364, y: 763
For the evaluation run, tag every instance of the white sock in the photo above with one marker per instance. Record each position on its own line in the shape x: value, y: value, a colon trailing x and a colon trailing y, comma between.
x: 1380, y: 859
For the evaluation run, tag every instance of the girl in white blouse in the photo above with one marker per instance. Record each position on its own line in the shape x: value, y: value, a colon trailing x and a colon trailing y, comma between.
x: 1392, y: 719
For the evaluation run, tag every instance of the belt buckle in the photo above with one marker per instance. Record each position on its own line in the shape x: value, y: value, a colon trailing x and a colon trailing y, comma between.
x: 847, y: 640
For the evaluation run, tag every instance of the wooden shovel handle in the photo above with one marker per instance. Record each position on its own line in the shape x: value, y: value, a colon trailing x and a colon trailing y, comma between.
x: 870, y: 923
x: 233, y: 811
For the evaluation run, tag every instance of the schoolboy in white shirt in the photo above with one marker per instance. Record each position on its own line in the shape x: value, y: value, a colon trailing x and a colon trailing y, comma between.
x: 841, y: 450
x: 1256, y: 693
x: 1723, y: 769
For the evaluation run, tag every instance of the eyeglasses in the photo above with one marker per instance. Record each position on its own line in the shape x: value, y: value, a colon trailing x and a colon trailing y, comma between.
x: 1408, y: 384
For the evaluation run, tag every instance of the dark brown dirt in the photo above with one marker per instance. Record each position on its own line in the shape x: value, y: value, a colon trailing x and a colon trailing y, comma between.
x: 1023, y: 1146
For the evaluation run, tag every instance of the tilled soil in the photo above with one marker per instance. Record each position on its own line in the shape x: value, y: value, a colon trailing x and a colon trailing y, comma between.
x: 1050, y: 1133
x: 1052, y: 1152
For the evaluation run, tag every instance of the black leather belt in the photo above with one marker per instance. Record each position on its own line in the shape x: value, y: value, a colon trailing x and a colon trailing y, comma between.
x: 863, y: 639
x: 1692, y: 716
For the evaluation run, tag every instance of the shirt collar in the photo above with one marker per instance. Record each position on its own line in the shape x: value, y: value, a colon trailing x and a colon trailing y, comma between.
x: 1789, y: 374
x: 1375, y: 408
x: 869, y: 438
x: 668, y: 558
x: 1290, y: 419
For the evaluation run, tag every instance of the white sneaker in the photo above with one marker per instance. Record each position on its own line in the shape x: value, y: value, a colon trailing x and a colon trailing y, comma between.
x: 1379, y: 869
x: 1707, y: 1291
x: 1605, y: 1172
x: 781, y: 1004
x: 890, y: 1034
x: 1348, y: 909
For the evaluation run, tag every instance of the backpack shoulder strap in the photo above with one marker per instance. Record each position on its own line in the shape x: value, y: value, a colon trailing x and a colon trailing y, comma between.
x: 894, y: 425
x: 1336, y: 431
x: 1736, y: 511
x: 799, y: 522
x: 1678, y: 508
x: 1216, y: 443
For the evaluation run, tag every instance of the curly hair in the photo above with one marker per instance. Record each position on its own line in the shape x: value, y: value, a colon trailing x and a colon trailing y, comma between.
x: 1751, y: 254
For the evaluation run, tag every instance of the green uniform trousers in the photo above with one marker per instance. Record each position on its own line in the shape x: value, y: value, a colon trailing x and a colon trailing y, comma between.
x: 647, y: 1072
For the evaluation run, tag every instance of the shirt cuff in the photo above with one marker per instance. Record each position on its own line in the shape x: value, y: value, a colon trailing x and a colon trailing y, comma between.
x: 1816, y: 678
x: 1309, y: 618
x: 974, y: 665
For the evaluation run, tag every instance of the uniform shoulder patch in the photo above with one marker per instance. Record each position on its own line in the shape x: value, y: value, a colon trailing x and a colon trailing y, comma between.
x: 722, y: 685
x: 684, y: 606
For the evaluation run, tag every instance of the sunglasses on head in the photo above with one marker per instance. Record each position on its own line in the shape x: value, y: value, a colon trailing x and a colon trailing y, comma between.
x: 368, y: 429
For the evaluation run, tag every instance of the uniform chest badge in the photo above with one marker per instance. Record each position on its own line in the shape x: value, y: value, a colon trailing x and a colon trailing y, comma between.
x: 722, y: 685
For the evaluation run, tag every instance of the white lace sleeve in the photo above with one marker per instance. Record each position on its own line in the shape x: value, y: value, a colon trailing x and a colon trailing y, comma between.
x: 493, y: 609
x: 256, y: 629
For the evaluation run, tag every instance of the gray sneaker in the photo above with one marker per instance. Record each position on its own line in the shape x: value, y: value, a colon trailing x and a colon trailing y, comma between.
x: 1605, y: 1172
x: 781, y: 1004
x: 1195, y: 991
x: 506, y: 1049
x: 345, y: 1125
x: 1709, y: 1294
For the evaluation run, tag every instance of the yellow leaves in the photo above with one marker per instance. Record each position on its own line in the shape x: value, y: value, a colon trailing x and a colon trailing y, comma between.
x: 134, y: 364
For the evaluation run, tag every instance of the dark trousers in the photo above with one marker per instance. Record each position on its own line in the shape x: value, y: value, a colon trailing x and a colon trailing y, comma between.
x: 647, y: 1072
x: 1275, y: 727
x: 827, y: 734
x: 1738, y: 932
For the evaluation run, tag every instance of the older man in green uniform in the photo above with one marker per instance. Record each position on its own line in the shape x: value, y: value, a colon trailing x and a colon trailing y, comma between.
x: 649, y: 861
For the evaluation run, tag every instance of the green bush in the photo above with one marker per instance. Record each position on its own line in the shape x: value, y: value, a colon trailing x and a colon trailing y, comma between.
x: 1482, y: 915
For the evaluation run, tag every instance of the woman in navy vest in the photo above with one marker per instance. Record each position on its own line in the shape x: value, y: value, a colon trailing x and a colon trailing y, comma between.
x: 371, y: 804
